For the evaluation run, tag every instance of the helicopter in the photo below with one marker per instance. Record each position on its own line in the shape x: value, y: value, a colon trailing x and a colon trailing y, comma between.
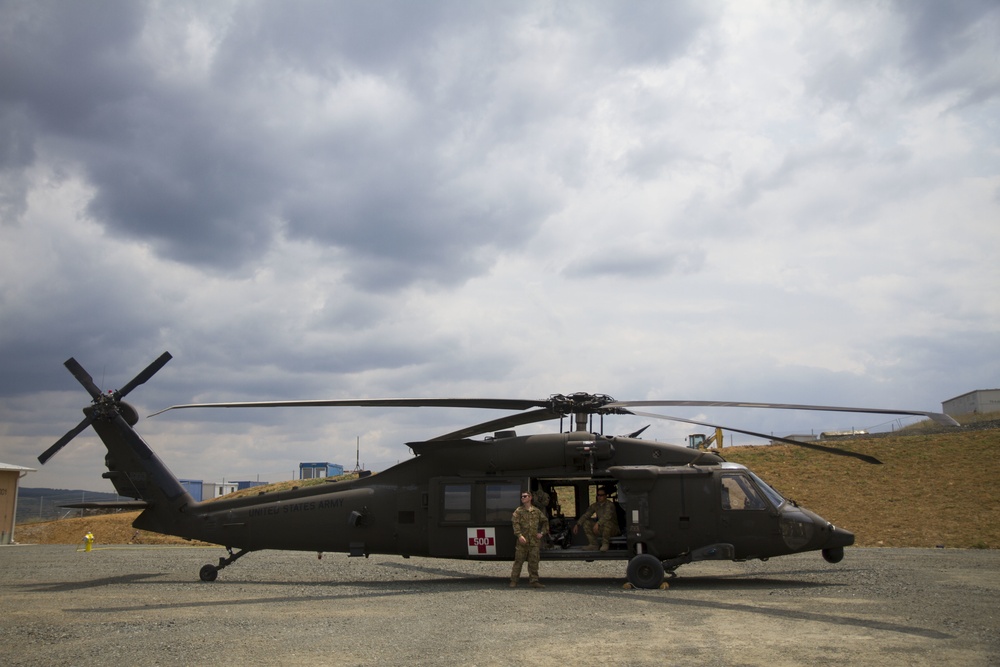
x: 455, y: 497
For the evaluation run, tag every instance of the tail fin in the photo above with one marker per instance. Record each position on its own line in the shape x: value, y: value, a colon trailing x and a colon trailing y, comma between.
x: 137, y: 472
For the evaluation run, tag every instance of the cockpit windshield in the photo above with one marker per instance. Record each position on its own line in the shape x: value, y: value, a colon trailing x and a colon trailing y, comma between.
x: 772, y: 495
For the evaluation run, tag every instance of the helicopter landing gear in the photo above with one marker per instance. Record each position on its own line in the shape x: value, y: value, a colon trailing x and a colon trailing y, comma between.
x: 833, y: 555
x: 645, y: 571
x: 211, y: 572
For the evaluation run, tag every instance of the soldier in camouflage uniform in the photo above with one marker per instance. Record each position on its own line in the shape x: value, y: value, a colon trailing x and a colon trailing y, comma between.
x: 606, y: 524
x: 530, y: 524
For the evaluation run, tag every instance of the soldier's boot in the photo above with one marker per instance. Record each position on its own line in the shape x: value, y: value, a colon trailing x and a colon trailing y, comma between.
x: 591, y: 542
x: 604, y: 545
x: 513, y: 583
x: 537, y: 584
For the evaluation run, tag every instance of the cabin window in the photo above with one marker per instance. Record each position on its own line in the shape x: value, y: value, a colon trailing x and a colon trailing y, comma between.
x: 501, y: 501
x: 457, y: 502
x: 738, y: 493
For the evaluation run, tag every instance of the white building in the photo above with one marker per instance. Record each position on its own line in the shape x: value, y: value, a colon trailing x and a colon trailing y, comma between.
x: 211, y: 490
x: 980, y: 401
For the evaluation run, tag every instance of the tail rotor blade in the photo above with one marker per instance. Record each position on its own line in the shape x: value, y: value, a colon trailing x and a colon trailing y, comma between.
x: 104, y: 405
x: 72, y: 433
x: 149, y: 372
x: 83, y: 377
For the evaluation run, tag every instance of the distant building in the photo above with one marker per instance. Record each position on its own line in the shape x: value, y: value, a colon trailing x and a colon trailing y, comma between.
x: 316, y: 470
x: 9, y: 477
x: 200, y: 490
x: 193, y: 487
x: 216, y: 489
x: 249, y: 485
x: 980, y: 401
x: 825, y: 435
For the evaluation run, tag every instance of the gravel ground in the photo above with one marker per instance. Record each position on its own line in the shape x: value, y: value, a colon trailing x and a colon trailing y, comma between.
x: 146, y: 606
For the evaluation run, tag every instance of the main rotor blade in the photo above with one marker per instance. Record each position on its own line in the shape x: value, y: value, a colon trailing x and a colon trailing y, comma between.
x: 807, y: 445
x: 83, y: 377
x: 487, y: 403
x: 72, y: 433
x: 499, y: 424
x: 938, y: 417
x: 149, y: 372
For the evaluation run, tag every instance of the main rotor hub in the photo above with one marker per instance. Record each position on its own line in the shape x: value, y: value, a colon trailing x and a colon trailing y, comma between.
x: 582, y: 403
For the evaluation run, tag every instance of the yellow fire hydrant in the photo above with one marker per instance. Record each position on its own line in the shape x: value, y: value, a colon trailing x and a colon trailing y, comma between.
x: 88, y: 541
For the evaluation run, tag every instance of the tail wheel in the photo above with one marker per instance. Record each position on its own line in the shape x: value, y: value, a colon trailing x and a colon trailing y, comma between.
x: 209, y: 573
x: 645, y: 571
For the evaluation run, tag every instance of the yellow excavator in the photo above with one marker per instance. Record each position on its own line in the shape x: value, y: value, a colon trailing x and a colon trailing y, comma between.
x: 701, y: 441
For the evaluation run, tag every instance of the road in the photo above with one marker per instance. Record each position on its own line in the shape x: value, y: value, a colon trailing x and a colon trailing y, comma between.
x: 146, y: 606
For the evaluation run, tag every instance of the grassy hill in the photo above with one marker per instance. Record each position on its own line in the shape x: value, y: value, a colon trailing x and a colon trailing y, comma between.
x: 933, y: 489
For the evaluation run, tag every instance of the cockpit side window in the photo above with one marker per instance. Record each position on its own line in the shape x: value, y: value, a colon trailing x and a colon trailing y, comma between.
x: 739, y: 493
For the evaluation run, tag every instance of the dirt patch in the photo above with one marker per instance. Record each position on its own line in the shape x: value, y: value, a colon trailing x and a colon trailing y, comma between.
x: 106, y: 528
x: 145, y: 606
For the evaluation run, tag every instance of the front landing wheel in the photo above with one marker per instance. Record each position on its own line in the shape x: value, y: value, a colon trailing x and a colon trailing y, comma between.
x: 833, y: 555
x: 209, y: 573
x: 645, y: 571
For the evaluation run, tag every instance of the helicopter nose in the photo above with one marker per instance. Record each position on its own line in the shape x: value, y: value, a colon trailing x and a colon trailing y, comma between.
x: 833, y: 549
x: 839, y: 538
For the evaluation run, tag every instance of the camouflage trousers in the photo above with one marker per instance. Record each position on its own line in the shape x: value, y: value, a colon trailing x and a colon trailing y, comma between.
x: 525, y: 552
x: 605, y: 530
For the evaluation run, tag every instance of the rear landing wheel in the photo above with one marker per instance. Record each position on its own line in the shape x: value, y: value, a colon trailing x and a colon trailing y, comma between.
x: 645, y: 571
x: 209, y: 573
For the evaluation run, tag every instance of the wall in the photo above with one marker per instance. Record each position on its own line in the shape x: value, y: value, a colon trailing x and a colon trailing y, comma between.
x: 981, y: 401
x: 8, y: 504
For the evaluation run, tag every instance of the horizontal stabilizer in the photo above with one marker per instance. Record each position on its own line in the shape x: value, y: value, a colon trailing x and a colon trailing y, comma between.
x: 109, y: 505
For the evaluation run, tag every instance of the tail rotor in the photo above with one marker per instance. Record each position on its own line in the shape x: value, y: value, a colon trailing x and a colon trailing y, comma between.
x: 105, y: 404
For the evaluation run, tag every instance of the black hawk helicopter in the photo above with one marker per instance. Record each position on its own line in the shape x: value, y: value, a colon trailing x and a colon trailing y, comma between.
x: 454, y: 499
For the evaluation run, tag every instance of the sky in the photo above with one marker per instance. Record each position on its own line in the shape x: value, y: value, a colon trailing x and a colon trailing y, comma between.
x: 792, y: 202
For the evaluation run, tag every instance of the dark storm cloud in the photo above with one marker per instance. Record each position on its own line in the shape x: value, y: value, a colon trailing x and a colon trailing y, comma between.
x: 635, y: 34
x: 200, y: 174
x: 68, y: 62
x: 939, y: 44
x: 201, y: 170
x: 60, y: 65
x: 17, y: 152
x: 371, y: 36
x: 938, y: 31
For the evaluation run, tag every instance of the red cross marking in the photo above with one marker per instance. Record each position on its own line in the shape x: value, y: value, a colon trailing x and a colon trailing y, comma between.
x: 481, y: 542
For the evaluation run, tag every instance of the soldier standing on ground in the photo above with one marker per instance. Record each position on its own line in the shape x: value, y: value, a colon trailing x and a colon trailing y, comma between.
x: 530, y: 524
x: 605, y: 525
